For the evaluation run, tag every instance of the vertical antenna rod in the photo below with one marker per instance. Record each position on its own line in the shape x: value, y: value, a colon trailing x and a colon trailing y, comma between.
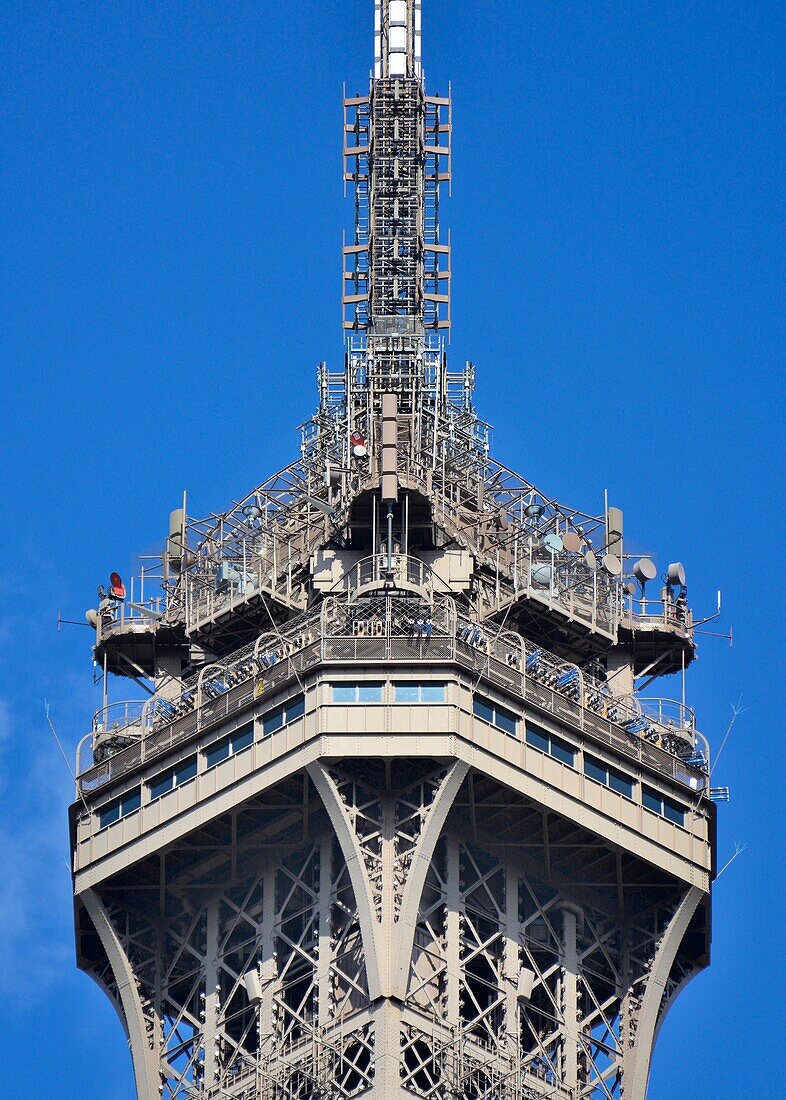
x: 397, y: 153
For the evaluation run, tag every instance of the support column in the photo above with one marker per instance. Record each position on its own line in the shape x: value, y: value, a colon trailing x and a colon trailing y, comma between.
x: 212, y: 996
x: 325, y: 937
x: 570, y: 1000
x: 453, y: 926
x: 512, y: 951
x: 268, y: 971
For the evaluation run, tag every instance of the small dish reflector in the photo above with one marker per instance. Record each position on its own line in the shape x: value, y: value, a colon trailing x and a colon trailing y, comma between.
x: 534, y: 511
x: 676, y: 574
x: 591, y: 561
x: 644, y: 570
x: 612, y: 564
x: 541, y: 575
x: 117, y: 586
x: 553, y: 542
x: 571, y: 541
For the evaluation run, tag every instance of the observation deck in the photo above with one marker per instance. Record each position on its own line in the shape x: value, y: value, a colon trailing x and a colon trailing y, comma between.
x: 397, y: 630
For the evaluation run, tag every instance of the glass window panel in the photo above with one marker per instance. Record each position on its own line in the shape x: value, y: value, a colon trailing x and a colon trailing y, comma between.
x: 369, y: 693
x: 185, y: 771
x: 651, y: 800
x: 131, y: 802
x: 295, y: 708
x: 407, y: 693
x: 345, y: 693
x: 594, y: 769
x: 242, y: 738
x: 161, y: 784
x: 432, y: 693
x: 110, y: 814
x: 505, y: 720
x: 620, y: 783
x: 673, y: 812
x: 483, y: 709
x: 215, y: 753
x: 273, y: 721
x: 537, y: 738
x: 562, y: 751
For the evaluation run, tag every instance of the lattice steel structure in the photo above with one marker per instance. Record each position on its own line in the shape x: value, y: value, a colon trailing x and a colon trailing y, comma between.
x: 390, y: 816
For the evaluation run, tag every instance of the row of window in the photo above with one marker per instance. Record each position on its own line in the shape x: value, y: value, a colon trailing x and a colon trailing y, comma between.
x: 563, y: 751
x: 185, y: 770
x: 402, y: 693
x: 494, y: 714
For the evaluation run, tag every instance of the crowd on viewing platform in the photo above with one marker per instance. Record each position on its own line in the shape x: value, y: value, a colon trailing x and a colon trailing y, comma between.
x: 423, y: 632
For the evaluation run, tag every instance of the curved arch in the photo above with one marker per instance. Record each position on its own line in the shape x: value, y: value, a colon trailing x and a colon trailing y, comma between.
x: 145, y: 1065
x: 637, y: 1060
x: 421, y: 860
x: 369, y: 925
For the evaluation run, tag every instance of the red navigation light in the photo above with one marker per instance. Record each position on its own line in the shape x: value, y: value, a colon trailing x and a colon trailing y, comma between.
x: 118, y: 589
x: 359, y: 446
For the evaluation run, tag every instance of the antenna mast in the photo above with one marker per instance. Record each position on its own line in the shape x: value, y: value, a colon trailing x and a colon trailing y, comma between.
x: 397, y: 268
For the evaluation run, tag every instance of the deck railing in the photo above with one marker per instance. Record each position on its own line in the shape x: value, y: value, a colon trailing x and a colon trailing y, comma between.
x: 390, y: 629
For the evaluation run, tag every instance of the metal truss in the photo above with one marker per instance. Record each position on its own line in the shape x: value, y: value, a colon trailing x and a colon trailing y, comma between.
x: 253, y: 965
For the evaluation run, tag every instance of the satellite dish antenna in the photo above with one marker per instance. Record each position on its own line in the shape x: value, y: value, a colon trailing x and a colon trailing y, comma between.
x: 118, y: 589
x: 534, y: 511
x: 591, y: 561
x: 541, y: 574
x: 612, y: 564
x: 676, y: 574
x: 571, y: 541
x: 553, y: 542
x: 644, y: 570
x: 630, y: 588
x: 92, y: 617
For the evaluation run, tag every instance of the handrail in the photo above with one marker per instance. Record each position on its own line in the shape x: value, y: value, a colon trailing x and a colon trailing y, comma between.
x: 437, y: 635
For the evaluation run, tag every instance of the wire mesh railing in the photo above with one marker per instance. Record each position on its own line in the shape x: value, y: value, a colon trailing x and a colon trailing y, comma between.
x: 393, y: 629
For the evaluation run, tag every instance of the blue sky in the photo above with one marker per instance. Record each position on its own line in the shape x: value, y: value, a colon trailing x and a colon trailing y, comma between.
x: 170, y: 217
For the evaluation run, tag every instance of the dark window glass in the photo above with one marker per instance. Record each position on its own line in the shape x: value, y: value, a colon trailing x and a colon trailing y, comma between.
x: 131, y: 802
x: 483, y: 709
x: 562, y: 751
x: 217, y: 752
x: 295, y: 708
x: 620, y: 783
x: 242, y: 738
x: 674, y: 812
x: 594, y: 769
x: 185, y: 771
x: 160, y: 785
x: 273, y: 721
x: 537, y: 738
x: 651, y: 800
x: 121, y: 807
x: 504, y: 720
x: 109, y: 814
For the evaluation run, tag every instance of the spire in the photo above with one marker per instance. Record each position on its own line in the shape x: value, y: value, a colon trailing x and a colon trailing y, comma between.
x: 397, y: 38
x: 397, y: 155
